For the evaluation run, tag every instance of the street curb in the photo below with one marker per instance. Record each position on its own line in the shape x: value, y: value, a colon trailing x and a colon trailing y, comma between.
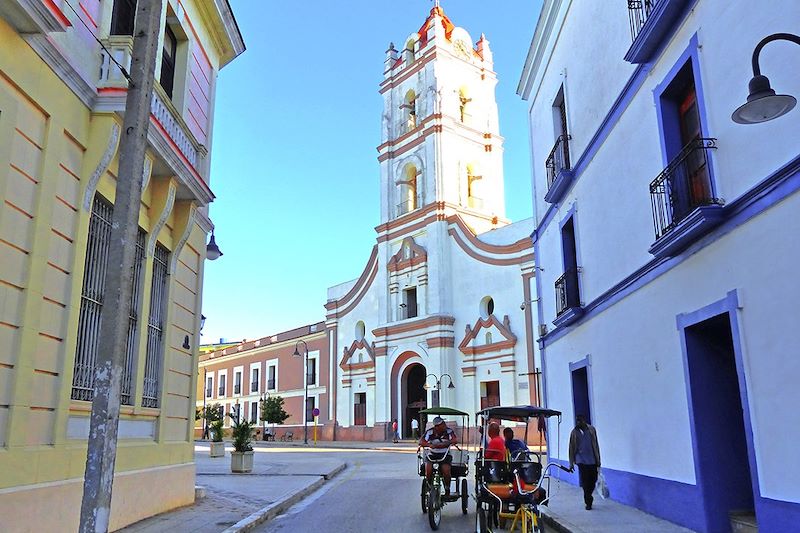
x: 273, y: 510
x: 555, y: 524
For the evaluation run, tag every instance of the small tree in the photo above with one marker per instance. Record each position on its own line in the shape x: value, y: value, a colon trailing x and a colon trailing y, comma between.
x: 210, y: 415
x: 216, y: 431
x: 242, y: 434
x: 272, y: 411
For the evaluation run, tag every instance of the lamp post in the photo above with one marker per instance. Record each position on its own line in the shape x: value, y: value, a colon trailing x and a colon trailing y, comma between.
x: 437, y: 387
x: 762, y: 102
x: 305, y: 377
x: 205, y: 393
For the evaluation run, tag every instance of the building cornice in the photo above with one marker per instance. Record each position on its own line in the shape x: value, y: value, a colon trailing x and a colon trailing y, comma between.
x: 548, y: 21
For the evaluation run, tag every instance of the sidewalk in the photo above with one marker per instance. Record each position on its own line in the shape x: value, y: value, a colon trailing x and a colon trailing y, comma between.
x: 565, y: 513
x: 239, y: 502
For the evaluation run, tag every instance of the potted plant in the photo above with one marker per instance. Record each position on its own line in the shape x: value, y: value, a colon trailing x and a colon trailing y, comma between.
x: 217, y: 446
x: 242, y: 454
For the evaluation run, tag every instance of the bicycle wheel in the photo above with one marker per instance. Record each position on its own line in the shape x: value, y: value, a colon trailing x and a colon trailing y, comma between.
x: 423, y: 496
x: 434, y: 508
x: 480, y: 520
x: 464, y: 496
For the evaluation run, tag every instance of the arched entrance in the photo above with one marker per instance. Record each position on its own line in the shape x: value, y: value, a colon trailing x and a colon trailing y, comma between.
x: 413, y: 396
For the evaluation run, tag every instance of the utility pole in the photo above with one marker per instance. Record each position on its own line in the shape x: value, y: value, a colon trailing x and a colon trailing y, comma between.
x: 102, y: 450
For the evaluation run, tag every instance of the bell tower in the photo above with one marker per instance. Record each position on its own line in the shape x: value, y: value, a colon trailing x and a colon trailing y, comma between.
x: 440, y: 141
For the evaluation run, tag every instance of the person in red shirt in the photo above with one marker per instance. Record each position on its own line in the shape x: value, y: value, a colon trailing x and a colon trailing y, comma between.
x: 496, y: 449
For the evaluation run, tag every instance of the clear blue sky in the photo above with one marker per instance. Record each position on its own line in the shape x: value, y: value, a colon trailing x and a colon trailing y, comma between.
x: 296, y: 124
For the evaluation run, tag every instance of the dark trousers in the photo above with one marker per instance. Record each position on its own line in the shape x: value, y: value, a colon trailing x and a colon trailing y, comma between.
x: 588, y: 477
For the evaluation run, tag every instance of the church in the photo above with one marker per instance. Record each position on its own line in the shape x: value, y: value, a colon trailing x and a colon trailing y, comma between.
x: 442, y: 312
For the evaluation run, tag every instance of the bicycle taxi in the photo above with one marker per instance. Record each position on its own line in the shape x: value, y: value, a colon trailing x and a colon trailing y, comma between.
x: 433, y: 496
x: 514, y: 488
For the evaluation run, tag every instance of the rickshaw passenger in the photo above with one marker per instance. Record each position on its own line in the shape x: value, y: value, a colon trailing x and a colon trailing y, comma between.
x: 439, y: 437
x: 513, y: 445
x: 496, y: 449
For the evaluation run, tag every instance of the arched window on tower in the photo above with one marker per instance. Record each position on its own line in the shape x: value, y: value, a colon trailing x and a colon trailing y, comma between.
x: 408, y: 52
x: 409, y: 108
x: 407, y: 189
x: 464, y: 106
x: 473, y: 198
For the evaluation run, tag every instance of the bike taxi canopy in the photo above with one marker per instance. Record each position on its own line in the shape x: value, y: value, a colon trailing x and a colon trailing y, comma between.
x: 518, y: 413
x: 443, y: 411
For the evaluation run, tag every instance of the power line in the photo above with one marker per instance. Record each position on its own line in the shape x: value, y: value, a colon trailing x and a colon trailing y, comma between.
x: 110, y: 56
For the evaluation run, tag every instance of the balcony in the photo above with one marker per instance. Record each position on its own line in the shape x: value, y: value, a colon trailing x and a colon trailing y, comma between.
x: 209, y: 391
x: 475, y: 203
x: 237, y: 389
x: 559, y: 170
x: 651, y: 24
x: 409, y: 311
x: 406, y: 207
x: 271, y: 384
x: 221, y: 390
x: 168, y: 134
x: 254, y: 386
x: 120, y: 49
x: 682, y: 199
x: 568, y: 298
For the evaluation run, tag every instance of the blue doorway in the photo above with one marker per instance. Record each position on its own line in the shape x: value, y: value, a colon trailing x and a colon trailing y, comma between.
x: 722, y: 462
x: 580, y: 391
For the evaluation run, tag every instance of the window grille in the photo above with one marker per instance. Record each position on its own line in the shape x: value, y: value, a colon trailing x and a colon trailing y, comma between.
x: 133, y: 322
x: 94, y: 276
x: 155, y: 327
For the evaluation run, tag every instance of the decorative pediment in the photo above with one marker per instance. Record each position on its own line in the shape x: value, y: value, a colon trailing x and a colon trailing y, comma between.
x: 409, y: 255
x: 353, y: 357
x: 488, y: 335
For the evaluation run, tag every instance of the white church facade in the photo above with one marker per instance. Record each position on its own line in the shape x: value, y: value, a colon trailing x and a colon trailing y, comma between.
x: 441, y: 311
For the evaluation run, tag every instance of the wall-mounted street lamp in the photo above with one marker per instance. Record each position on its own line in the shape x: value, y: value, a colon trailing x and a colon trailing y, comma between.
x: 762, y: 102
x: 212, y: 250
x: 305, y: 402
x: 437, y: 387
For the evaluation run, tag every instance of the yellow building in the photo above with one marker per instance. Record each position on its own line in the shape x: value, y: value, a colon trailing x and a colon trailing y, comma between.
x: 62, y: 100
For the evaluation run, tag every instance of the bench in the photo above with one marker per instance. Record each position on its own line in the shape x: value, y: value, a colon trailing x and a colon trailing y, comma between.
x: 269, y: 435
x: 288, y: 436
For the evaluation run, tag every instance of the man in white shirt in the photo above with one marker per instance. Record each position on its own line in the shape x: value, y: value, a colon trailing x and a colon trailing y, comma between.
x: 414, y: 428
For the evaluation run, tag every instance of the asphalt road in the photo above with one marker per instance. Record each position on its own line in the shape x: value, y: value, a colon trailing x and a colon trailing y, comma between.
x: 379, y: 491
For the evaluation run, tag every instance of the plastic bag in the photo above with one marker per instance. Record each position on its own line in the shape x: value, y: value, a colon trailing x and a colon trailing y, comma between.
x: 602, y: 487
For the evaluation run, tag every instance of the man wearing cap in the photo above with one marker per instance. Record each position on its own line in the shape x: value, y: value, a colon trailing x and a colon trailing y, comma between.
x: 439, y: 438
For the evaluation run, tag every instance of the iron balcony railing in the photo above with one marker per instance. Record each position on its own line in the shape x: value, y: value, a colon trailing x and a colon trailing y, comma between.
x: 222, y: 390
x: 237, y: 389
x: 208, y: 392
x: 271, y: 384
x: 311, y: 379
x: 567, y: 291
x: 406, y: 207
x: 254, y: 386
x: 683, y: 186
x: 558, y: 159
x: 475, y: 203
x: 638, y: 13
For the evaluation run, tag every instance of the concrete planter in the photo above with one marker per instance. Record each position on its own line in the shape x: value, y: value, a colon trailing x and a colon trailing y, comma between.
x: 241, y: 462
x: 217, y: 449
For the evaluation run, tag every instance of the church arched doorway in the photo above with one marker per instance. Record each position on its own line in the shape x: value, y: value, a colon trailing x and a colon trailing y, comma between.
x: 413, y: 398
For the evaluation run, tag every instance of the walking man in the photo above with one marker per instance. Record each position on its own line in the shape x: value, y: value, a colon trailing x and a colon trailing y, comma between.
x: 585, y: 452
x: 415, y: 428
